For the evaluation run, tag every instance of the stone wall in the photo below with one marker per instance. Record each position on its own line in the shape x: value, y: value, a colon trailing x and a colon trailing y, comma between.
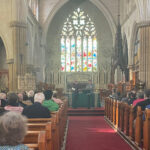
x: 104, y: 36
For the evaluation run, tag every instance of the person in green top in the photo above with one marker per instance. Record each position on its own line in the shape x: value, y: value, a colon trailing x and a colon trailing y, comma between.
x: 48, y: 102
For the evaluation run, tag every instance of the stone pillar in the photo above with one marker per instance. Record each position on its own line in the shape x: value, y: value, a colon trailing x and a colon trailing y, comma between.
x: 19, y: 51
x: 10, y: 63
x: 130, y: 72
x: 144, y: 74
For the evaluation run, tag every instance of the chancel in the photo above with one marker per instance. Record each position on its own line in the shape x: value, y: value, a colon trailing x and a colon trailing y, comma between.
x: 75, y: 69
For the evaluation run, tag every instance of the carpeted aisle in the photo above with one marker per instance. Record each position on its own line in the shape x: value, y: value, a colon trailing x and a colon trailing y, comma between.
x: 93, y: 133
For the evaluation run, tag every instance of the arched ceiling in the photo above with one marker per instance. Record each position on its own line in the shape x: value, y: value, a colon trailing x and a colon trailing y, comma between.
x: 107, y: 7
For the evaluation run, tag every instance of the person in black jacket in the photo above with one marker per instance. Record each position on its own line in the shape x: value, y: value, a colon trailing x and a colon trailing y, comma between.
x: 37, y: 110
x: 75, y: 94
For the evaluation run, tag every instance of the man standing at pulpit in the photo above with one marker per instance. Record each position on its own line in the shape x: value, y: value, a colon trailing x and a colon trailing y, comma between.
x: 90, y: 90
x: 75, y: 93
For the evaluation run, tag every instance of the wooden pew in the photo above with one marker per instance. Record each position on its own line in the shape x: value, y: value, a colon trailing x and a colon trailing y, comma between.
x: 111, y: 110
x: 43, y: 127
x: 35, y: 140
x: 131, y: 123
x: 61, y: 124
x: 117, y: 113
x: 126, y: 119
x: 106, y: 107
x: 58, y: 125
x: 138, y: 127
x: 146, y: 130
x: 55, y: 136
x: 114, y: 111
x: 56, y: 129
x: 121, y: 116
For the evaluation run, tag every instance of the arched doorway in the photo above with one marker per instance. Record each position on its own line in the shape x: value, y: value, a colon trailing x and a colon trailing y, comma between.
x: 3, y: 68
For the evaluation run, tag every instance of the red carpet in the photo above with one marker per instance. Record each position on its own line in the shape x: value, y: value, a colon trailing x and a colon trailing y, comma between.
x: 86, y: 112
x: 93, y: 133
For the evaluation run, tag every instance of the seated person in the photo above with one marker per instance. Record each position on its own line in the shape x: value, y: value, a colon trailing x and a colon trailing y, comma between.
x: 25, y: 96
x: 55, y: 99
x: 144, y: 103
x: 132, y: 98
x: 114, y: 94
x: 140, y: 98
x: 22, y: 102
x: 36, y: 110
x: 13, y: 103
x: 147, y: 107
x: 31, y: 96
x: 48, y: 102
x: 3, y: 101
x: 12, y: 131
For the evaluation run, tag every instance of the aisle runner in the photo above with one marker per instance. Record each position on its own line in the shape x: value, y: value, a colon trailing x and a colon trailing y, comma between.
x: 93, y: 133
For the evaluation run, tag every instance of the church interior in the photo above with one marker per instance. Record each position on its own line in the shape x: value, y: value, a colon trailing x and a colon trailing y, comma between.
x: 85, y: 63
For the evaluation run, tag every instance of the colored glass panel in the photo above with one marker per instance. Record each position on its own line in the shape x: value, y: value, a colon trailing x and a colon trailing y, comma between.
x: 79, y: 68
x: 84, y: 54
x: 90, y: 54
x: 63, y: 60
x: 94, y: 54
x: 68, y: 54
x: 78, y: 47
x: 72, y: 55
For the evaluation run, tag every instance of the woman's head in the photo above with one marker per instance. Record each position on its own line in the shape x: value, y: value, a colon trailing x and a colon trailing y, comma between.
x: 12, y: 128
x: 48, y: 94
x: 31, y: 93
x: 13, y: 99
x: 3, y: 96
x: 20, y: 96
x: 55, y: 94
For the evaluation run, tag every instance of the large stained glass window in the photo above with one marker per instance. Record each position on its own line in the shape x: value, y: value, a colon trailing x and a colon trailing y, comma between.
x: 78, y: 43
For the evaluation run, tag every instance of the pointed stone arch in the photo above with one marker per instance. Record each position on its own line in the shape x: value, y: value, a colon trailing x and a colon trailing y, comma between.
x: 97, y: 3
x: 3, y: 67
x: 5, y: 44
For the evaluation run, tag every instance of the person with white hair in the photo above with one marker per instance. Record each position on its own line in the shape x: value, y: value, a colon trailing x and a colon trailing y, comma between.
x: 13, y: 128
x: 3, y: 101
x: 37, y: 110
x: 31, y: 96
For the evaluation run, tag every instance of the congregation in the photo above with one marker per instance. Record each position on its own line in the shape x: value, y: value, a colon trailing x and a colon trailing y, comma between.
x: 17, y: 108
x: 70, y: 68
x: 134, y: 98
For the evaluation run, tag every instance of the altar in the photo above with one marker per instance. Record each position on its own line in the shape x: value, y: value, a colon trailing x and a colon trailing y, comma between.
x: 84, y: 100
x: 77, y: 86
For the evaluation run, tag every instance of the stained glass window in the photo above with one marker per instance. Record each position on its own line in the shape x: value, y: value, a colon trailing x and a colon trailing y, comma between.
x: 78, y: 43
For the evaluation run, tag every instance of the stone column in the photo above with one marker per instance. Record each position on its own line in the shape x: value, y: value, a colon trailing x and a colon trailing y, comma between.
x: 10, y: 63
x: 144, y: 68
x: 19, y: 51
